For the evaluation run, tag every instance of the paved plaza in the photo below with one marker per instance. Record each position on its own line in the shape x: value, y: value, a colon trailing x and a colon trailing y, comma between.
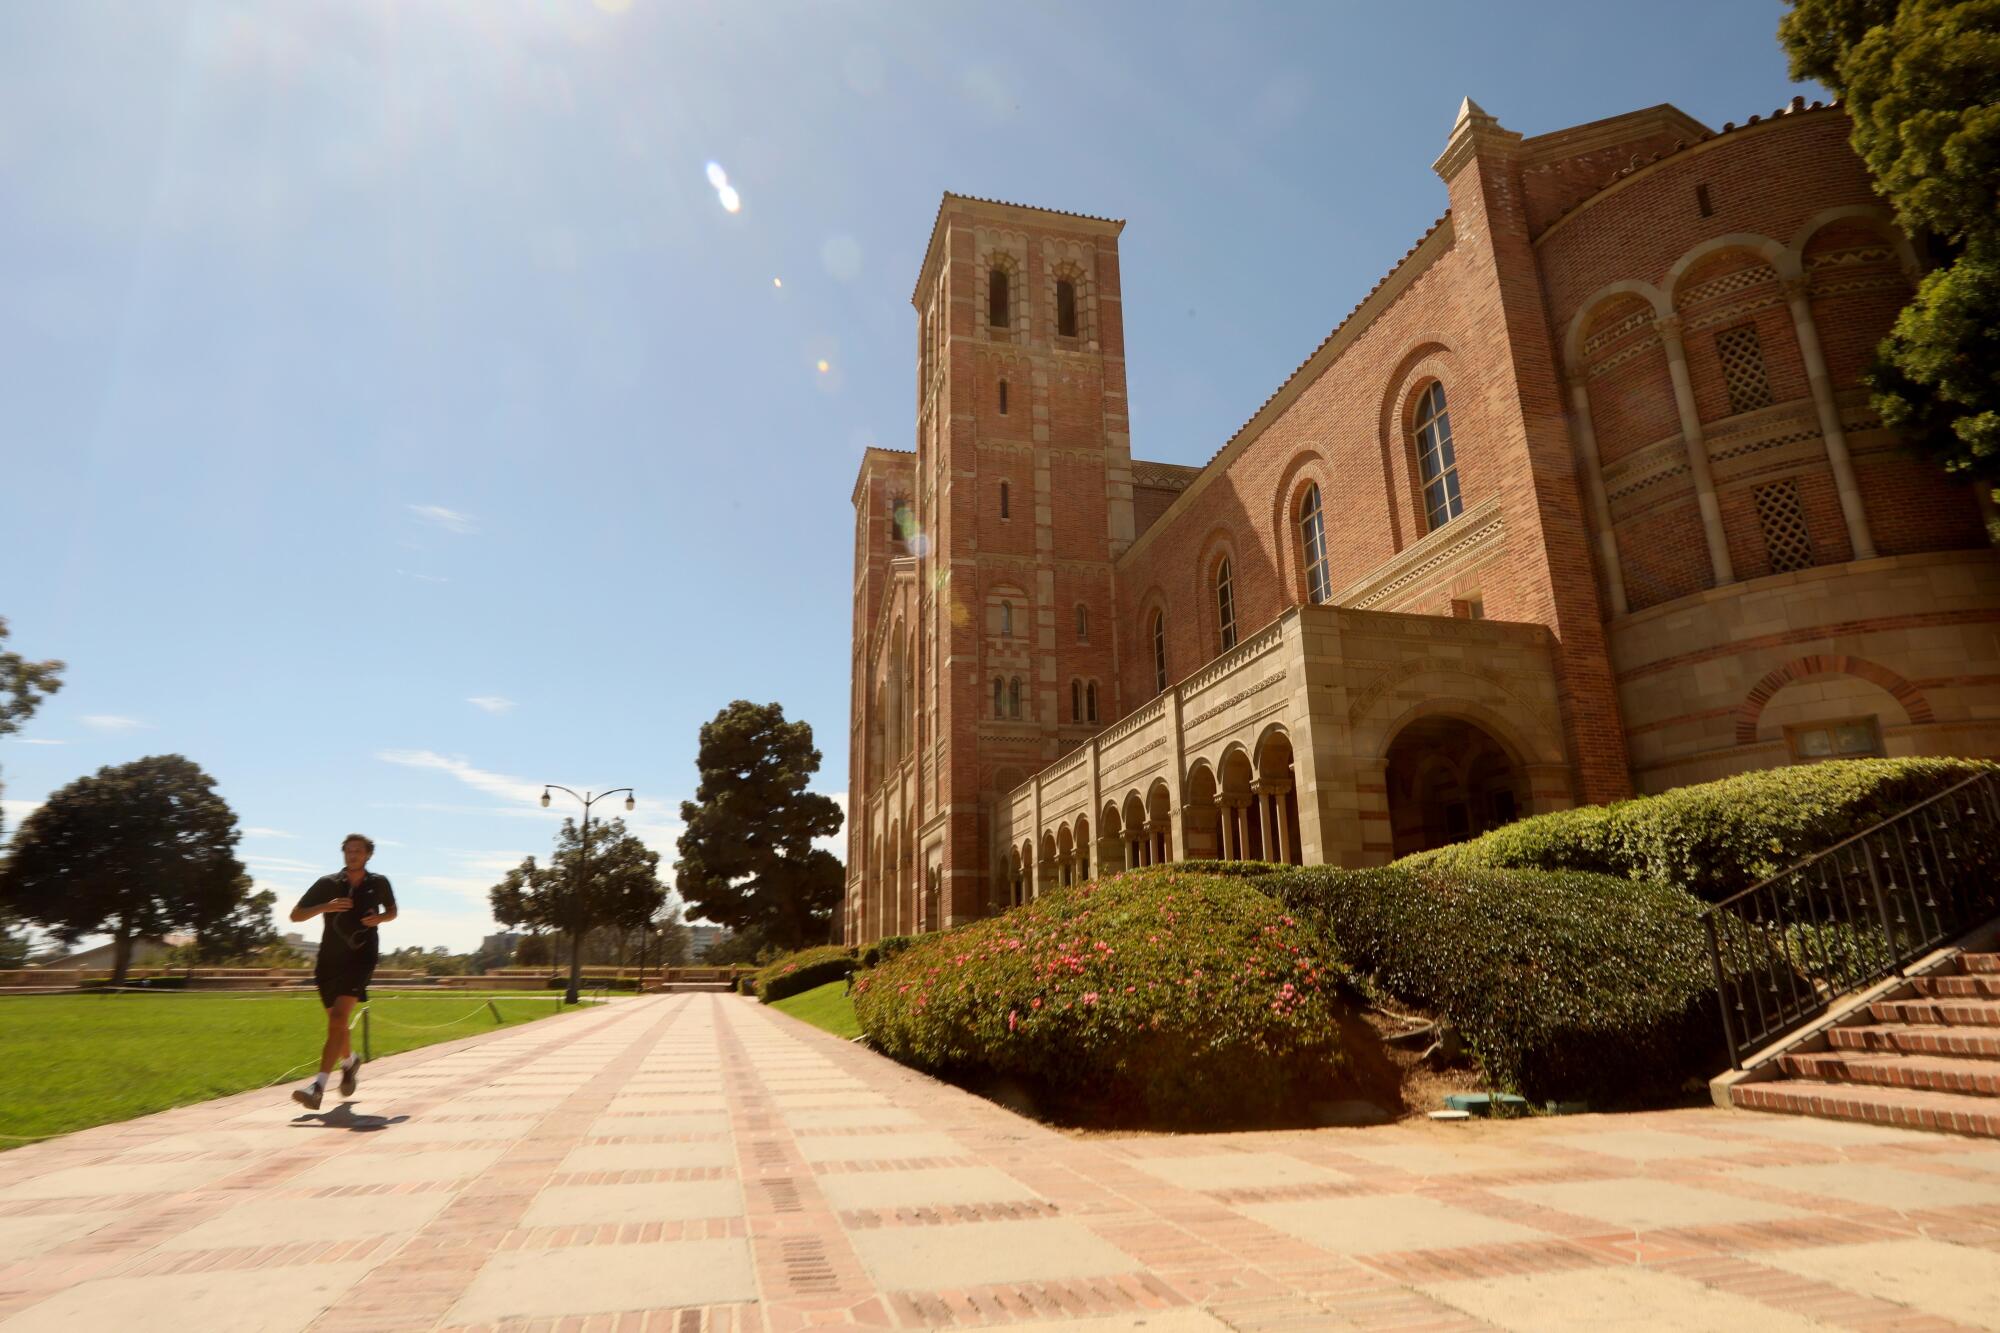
x: 700, y: 1164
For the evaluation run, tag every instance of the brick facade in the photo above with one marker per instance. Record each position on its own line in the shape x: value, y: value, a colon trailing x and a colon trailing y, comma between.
x: 1648, y: 338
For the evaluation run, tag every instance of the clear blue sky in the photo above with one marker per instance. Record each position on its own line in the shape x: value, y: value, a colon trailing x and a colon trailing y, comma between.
x: 395, y: 418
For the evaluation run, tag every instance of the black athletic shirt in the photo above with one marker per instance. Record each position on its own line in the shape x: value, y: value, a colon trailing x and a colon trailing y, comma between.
x: 343, y: 938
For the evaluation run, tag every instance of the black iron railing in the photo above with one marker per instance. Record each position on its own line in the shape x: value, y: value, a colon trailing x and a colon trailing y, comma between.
x: 1855, y: 913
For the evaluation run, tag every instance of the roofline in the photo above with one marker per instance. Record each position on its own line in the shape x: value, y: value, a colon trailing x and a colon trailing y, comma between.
x: 1001, y: 209
x: 1731, y: 132
x: 872, y: 454
x: 1414, y: 262
x: 1606, y: 129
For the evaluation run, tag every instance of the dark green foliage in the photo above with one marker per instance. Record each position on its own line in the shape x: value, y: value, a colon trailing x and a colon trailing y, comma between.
x: 1717, y: 838
x: 240, y: 933
x: 1920, y: 80
x: 746, y: 856
x: 1155, y: 996
x: 802, y: 971
x: 1236, y: 869
x: 1566, y: 986
x: 882, y: 950
x: 137, y: 849
x: 614, y: 881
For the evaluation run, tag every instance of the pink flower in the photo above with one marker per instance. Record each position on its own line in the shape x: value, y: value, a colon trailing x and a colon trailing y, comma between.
x: 1013, y: 1020
x: 1037, y: 1003
x: 1090, y: 997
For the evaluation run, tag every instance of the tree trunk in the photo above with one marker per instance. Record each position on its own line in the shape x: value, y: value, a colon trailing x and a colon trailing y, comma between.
x: 121, y: 951
x: 575, y: 966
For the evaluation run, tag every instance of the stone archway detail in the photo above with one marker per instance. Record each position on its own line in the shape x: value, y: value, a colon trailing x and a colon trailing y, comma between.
x: 1827, y: 664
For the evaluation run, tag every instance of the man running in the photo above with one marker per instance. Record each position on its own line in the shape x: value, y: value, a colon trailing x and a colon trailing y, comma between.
x: 352, y: 903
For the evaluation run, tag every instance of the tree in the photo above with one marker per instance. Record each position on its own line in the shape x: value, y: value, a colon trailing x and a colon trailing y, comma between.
x: 139, y: 849
x: 746, y: 855
x: 1921, y: 84
x: 239, y: 932
x: 23, y: 686
x: 623, y: 885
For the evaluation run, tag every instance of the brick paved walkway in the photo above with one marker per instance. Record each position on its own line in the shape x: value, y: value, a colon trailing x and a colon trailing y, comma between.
x: 699, y: 1163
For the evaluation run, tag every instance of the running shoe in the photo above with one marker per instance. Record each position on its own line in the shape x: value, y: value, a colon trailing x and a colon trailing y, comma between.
x: 350, y: 1077
x: 309, y: 1096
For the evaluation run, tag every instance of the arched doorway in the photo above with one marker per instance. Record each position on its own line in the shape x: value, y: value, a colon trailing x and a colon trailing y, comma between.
x: 1201, y: 816
x: 1449, y: 780
x: 1277, y: 799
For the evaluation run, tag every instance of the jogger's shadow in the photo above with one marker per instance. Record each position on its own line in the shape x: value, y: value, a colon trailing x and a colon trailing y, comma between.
x: 343, y: 1117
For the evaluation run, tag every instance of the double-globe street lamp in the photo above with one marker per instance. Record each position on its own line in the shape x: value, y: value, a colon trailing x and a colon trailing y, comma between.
x: 583, y: 874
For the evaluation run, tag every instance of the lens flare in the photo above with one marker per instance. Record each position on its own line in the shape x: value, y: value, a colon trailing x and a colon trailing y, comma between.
x: 717, y: 177
x: 777, y: 282
x: 731, y: 201
x: 824, y: 366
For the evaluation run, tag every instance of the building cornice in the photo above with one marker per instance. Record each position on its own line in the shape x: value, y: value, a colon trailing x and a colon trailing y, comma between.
x: 999, y: 210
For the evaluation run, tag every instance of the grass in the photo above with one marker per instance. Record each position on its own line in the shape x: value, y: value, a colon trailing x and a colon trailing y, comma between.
x: 73, y: 1061
x: 828, y: 1007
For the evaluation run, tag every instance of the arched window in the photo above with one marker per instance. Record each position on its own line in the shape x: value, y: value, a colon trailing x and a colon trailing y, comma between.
x: 1083, y: 624
x: 996, y: 298
x: 899, y: 522
x: 1159, y: 652
x: 1003, y: 500
x: 1437, y: 464
x: 1076, y: 701
x: 999, y: 697
x: 1312, y: 540
x: 1225, y: 605
x: 1090, y: 701
x: 1014, y: 697
x: 1003, y: 398
x: 1006, y: 620
x: 1065, y: 308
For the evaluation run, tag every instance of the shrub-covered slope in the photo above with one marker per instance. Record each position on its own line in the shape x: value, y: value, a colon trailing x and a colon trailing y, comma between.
x: 802, y: 971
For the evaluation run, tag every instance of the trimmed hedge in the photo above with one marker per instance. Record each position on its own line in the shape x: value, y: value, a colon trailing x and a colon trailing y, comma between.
x: 1155, y: 996
x: 801, y: 971
x: 1233, y: 869
x: 1564, y: 985
x: 882, y: 950
x: 1717, y: 838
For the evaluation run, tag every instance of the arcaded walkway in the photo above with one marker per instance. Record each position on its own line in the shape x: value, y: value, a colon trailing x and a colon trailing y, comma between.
x: 699, y: 1163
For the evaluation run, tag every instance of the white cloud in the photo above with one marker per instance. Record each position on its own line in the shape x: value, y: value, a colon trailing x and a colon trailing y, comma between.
x: 461, y: 886
x: 282, y: 865
x: 837, y: 844
x: 16, y: 811
x: 112, y: 722
x: 451, y: 520
x: 493, y: 703
x: 506, y: 787
x: 258, y: 831
x: 423, y: 578
x: 35, y: 740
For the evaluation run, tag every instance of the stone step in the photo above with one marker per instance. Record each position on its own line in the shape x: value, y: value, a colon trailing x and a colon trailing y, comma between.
x: 1906, y: 1108
x: 1976, y: 1043
x: 1979, y: 962
x: 1935, y: 1073
x: 1971, y: 986
x: 1949, y: 1013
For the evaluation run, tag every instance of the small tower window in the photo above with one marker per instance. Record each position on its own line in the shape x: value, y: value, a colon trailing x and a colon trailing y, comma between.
x: 1083, y: 624
x: 996, y: 298
x: 899, y: 523
x: 1159, y: 652
x: 1225, y: 605
x: 999, y: 697
x: 1076, y: 701
x: 1065, y: 308
x: 1003, y: 500
x: 1006, y: 620
x: 1003, y: 398
x: 1014, y: 697
x: 1090, y: 701
x: 1437, y: 463
x: 1312, y: 541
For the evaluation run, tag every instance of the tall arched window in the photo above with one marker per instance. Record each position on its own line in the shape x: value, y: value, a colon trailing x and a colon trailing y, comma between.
x: 1083, y: 624
x: 1014, y: 697
x: 1090, y: 701
x: 1006, y: 620
x: 1312, y: 541
x: 999, y: 697
x: 1225, y: 605
x: 1003, y: 398
x: 1076, y: 701
x: 1437, y: 464
x: 1065, y: 308
x: 1003, y: 500
x: 996, y: 298
x: 1159, y: 652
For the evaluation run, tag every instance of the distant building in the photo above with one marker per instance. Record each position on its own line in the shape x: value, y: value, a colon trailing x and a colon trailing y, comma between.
x: 502, y: 944
x: 293, y: 940
x: 147, y: 951
x: 703, y: 938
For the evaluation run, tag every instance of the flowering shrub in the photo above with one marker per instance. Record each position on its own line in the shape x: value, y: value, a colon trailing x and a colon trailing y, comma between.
x: 882, y: 950
x: 1156, y: 996
x: 801, y: 971
x: 1563, y: 985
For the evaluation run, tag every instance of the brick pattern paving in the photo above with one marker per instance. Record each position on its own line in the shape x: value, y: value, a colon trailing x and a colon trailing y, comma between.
x: 699, y: 1164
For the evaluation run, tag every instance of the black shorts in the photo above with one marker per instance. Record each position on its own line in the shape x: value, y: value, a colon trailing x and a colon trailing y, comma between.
x: 348, y: 977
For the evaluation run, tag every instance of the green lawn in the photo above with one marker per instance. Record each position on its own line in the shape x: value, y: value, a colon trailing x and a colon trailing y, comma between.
x: 72, y: 1061
x: 826, y: 1007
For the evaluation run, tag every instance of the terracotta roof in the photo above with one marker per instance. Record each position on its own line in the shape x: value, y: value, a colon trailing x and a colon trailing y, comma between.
x: 1797, y: 106
x: 945, y: 202
x: 1163, y: 476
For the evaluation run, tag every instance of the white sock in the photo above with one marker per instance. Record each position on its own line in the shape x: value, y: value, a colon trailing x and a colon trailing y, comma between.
x: 351, y: 1061
x: 318, y: 1081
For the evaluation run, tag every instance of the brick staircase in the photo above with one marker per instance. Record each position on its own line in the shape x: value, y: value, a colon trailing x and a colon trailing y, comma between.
x: 1924, y: 1055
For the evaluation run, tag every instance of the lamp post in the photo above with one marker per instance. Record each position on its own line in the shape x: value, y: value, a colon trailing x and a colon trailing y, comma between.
x: 583, y: 874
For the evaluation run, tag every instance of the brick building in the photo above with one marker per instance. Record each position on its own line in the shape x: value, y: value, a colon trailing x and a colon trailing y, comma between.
x: 1584, y: 499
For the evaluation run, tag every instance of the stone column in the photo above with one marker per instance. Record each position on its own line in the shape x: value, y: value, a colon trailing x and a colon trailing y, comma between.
x: 1241, y: 816
x: 1263, y: 790
x: 1284, y: 830
x: 1593, y: 489
x: 1696, y: 443
x: 1798, y: 296
x: 1225, y: 845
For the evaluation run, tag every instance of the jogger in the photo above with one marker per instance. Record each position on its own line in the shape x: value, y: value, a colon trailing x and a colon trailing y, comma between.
x: 351, y: 903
